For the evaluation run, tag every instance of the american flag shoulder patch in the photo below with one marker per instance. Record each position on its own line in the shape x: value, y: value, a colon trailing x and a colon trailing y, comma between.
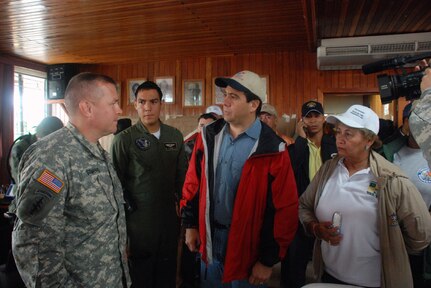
x: 49, y: 180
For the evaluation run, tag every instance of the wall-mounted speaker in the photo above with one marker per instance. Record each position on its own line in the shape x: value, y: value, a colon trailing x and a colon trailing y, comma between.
x: 59, y: 76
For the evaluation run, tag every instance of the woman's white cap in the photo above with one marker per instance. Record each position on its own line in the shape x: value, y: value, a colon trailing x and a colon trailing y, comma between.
x: 358, y: 116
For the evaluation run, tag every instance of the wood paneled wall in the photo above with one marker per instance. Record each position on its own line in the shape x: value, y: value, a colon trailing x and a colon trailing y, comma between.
x: 293, y: 78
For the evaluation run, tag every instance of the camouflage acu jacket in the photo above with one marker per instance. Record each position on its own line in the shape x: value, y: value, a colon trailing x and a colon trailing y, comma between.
x: 71, y: 229
x: 420, y: 123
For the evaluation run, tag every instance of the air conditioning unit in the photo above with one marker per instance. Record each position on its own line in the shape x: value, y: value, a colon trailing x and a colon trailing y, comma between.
x: 353, y: 52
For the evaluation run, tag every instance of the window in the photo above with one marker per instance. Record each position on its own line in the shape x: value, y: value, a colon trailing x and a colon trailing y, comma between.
x: 30, y: 106
x: 29, y: 100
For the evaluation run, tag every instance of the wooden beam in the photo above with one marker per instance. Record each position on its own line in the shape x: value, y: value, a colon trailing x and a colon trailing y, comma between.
x: 309, y: 15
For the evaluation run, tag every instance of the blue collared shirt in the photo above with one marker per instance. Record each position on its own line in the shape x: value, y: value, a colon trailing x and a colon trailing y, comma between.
x: 232, y: 155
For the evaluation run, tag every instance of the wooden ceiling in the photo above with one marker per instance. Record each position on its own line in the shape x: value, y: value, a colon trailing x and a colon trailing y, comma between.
x: 124, y: 31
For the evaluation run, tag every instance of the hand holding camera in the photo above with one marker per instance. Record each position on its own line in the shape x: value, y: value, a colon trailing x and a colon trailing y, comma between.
x: 426, y: 79
x: 398, y: 85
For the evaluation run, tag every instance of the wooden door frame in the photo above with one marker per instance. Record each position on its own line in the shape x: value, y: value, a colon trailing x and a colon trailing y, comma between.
x: 322, y: 91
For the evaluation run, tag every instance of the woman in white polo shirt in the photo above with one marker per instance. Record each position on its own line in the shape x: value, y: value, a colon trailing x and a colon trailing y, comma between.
x: 383, y: 215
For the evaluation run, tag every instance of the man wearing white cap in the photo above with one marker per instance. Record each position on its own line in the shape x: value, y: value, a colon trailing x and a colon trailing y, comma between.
x: 383, y: 215
x: 268, y: 115
x: 215, y: 110
x: 240, y: 174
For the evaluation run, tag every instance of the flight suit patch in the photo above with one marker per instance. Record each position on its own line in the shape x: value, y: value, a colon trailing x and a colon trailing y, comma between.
x: 170, y: 146
x: 143, y: 143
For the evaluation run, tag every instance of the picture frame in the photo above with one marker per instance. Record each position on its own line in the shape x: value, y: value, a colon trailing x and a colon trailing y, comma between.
x: 193, y: 92
x: 167, y: 85
x: 132, y: 84
x: 118, y: 88
x: 218, y: 92
x: 266, y: 79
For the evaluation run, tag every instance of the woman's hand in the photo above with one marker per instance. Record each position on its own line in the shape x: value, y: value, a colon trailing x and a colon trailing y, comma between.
x: 326, y: 232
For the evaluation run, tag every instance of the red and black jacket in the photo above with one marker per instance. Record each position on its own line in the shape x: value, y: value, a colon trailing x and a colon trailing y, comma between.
x: 265, y: 213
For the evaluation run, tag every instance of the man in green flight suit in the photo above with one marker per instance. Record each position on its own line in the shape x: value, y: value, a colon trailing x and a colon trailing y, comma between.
x: 150, y: 161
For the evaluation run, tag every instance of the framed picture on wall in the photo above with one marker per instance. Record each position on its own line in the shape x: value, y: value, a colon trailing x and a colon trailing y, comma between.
x: 266, y: 80
x: 118, y: 88
x: 132, y: 85
x: 167, y: 85
x: 193, y: 92
x: 218, y: 92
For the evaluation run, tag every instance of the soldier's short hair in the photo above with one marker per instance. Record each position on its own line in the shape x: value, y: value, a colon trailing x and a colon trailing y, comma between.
x: 81, y: 86
x: 149, y: 85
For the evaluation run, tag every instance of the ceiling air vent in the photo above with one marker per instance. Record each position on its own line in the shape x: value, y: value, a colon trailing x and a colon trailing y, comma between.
x: 350, y: 50
x: 353, y: 52
x: 393, y: 48
x: 424, y: 46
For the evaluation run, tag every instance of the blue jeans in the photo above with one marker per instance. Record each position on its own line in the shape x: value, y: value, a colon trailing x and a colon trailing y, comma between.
x: 212, y: 274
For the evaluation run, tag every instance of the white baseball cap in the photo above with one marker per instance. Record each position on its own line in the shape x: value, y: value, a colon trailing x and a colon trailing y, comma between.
x: 358, y: 116
x: 245, y: 81
x: 268, y: 108
x: 214, y: 109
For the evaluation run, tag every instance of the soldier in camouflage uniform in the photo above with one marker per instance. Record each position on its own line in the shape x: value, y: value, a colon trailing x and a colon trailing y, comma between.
x: 17, y: 150
x: 47, y: 126
x: 420, y: 119
x: 150, y: 161
x: 71, y: 229
x: 420, y: 126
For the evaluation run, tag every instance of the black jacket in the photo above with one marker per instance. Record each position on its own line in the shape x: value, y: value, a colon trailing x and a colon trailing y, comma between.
x: 300, y: 155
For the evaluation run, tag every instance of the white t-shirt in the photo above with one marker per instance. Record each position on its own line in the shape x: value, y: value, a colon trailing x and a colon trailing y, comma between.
x: 356, y: 260
x: 413, y: 163
x: 157, y: 134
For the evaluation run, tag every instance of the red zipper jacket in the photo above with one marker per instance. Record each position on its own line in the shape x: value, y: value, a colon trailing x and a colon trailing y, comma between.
x: 265, y: 213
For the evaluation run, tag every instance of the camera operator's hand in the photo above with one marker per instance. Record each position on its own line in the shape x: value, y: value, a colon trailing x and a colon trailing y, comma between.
x: 426, y: 79
x: 420, y: 120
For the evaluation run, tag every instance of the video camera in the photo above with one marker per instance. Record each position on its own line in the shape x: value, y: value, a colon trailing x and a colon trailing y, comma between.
x: 394, y: 86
